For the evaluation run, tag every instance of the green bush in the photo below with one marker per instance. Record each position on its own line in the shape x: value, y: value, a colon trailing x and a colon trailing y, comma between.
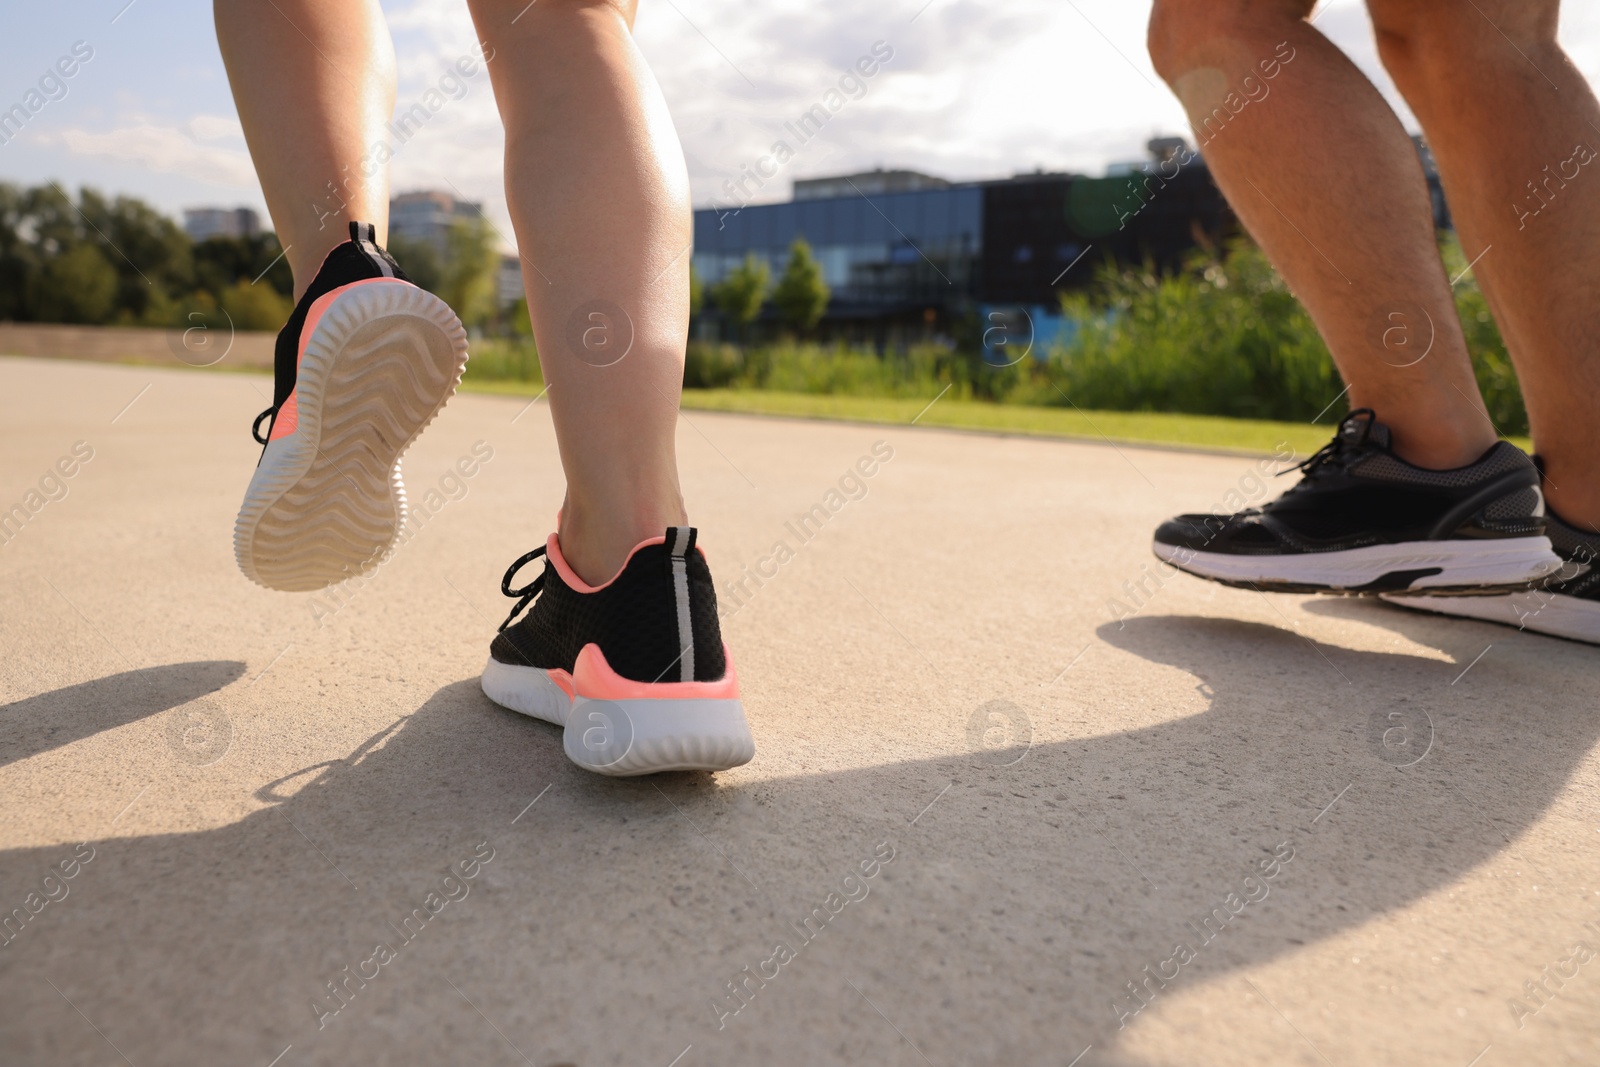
x: 1490, y: 360
x: 1220, y: 337
x: 708, y: 366
x: 799, y: 368
x: 502, y: 360
x: 795, y: 367
x: 1226, y: 337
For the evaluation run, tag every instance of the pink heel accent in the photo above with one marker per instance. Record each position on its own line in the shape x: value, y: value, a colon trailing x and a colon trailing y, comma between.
x: 288, y: 418
x: 563, y: 680
x: 594, y: 679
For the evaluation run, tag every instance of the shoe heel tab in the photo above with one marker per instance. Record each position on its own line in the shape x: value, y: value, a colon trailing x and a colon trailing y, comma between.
x: 681, y: 540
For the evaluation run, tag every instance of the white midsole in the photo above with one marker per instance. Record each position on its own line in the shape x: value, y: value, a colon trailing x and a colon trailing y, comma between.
x: 1546, y: 613
x: 627, y: 737
x: 528, y: 690
x: 326, y: 501
x: 1488, y: 562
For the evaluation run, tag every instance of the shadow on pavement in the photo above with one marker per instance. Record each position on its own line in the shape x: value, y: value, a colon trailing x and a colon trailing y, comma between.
x: 62, y: 716
x: 1029, y: 885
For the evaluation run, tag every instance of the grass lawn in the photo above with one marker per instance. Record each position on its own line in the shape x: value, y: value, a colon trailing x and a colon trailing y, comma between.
x: 1200, y: 432
x: 1210, y: 433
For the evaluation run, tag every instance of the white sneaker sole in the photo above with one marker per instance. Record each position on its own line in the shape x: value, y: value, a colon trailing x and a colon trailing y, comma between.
x: 623, y: 738
x: 1554, y: 614
x: 326, y: 501
x: 1411, y: 566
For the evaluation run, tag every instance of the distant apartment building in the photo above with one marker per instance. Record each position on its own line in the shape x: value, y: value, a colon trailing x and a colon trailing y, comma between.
x: 508, y: 280
x: 428, y: 215
x: 201, y: 223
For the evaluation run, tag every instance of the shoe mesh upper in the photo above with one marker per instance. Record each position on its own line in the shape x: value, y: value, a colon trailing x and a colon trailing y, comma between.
x: 356, y: 260
x: 1502, y: 459
x: 1355, y: 492
x: 1514, y: 505
x: 634, y: 620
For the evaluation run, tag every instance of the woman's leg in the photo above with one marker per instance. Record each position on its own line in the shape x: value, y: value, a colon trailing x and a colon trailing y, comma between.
x: 314, y: 83
x: 599, y: 196
x: 366, y: 359
x: 635, y: 672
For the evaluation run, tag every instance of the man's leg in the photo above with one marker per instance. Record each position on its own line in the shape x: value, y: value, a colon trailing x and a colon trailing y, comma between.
x: 1321, y: 172
x: 599, y: 196
x: 1516, y: 132
x: 314, y: 83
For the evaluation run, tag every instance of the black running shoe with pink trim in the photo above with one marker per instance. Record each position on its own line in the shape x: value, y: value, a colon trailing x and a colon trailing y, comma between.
x: 635, y: 669
x: 364, y: 363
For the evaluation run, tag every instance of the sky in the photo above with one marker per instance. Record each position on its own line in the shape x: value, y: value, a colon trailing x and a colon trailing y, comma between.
x: 974, y: 89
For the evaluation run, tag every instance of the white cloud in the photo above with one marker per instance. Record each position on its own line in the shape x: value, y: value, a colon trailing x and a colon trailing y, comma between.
x: 974, y: 90
x: 163, y: 149
x: 215, y: 128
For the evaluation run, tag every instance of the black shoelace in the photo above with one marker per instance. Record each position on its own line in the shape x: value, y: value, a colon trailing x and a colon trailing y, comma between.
x: 527, y: 592
x: 1340, y: 450
x: 255, y: 427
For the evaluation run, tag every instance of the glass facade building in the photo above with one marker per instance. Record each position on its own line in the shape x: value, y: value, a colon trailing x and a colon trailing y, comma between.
x: 877, y: 254
x: 904, y: 266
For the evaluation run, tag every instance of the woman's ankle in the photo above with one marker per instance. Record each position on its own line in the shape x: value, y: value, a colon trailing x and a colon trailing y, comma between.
x: 596, y: 541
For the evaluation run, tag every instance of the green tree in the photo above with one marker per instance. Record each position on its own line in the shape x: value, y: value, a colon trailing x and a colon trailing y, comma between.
x: 149, y: 251
x: 697, y: 292
x: 801, y: 296
x: 420, y: 260
x: 742, y: 293
x: 77, y: 286
x: 19, y: 261
x: 220, y: 262
x: 469, y: 282
x: 50, y: 219
x: 255, y: 307
x: 519, y: 319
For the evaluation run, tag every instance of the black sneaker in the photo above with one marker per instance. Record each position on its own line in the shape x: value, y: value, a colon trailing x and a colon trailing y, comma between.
x: 364, y: 363
x: 1363, y: 520
x: 635, y: 669
x: 1566, y: 604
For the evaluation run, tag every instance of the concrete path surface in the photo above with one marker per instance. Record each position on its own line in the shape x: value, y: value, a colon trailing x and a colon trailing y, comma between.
x: 1018, y: 797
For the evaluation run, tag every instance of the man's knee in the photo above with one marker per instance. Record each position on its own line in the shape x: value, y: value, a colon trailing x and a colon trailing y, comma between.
x: 508, y: 16
x: 1185, y: 34
x: 1171, y: 36
x: 1420, y: 40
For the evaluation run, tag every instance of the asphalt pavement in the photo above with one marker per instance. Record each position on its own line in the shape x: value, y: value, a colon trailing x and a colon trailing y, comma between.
x: 1019, y: 796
